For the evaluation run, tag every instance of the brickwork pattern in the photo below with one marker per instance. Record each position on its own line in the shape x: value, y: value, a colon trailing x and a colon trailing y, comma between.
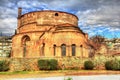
x: 39, y: 31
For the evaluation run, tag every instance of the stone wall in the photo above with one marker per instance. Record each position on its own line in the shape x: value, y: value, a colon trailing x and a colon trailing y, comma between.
x: 30, y: 64
x: 23, y: 64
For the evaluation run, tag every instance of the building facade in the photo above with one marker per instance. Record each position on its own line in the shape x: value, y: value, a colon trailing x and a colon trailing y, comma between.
x: 48, y: 34
x: 5, y: 46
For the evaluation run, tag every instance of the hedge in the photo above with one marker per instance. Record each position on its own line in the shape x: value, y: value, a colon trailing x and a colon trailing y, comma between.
x: 112, y: 65
x: 47, y: 64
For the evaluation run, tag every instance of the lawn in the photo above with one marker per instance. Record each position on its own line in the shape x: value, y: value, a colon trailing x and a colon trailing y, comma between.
x: 35, y: 74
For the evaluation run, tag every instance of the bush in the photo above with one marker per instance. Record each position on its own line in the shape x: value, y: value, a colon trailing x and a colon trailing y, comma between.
x: 43, y: 65
x: 4, y: 65
x: 53, y: 64
x: 68, y: 78
x: 88, y: 65
x: 112, y: 65
x: 108, y: 65
x: 48, y: 64
x: 116, y: 65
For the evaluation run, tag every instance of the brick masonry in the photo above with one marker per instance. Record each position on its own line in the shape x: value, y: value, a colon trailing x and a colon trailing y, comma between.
x: 42, y: 34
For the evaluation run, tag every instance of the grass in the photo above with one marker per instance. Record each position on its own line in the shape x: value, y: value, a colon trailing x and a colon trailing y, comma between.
x: 16, y: 72
x: 44, y: 72
x: 41, y: 72
x: 38, y: 74
x: 30, y: 72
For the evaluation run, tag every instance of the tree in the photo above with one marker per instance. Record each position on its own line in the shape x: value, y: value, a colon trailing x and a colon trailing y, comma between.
x: 97, y: 41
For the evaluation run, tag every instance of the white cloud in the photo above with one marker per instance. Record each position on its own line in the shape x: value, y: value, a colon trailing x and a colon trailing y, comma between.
x: 92, y: 14
x: 8, y: 25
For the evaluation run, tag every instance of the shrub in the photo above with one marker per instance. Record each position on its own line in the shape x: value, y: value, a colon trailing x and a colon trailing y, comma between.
x: 112, y: 65
x: 4, y: 65
x: 68, y: 78
x: 88, y: 65
x: 47, y: 64
x: 53, y: 64
x: 116, y: 65
x: 108, y: 65
x: 43, y: 65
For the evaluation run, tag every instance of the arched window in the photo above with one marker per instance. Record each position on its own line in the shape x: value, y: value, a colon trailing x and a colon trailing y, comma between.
x: 81, y: 46
x: 63, y: 49
x: 54, y: 47
x: 43, y: 49
x: 24, y: 40
x: 73, y: 49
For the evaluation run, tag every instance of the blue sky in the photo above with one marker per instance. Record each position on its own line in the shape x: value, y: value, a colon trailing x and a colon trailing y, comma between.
x: 96, y: 17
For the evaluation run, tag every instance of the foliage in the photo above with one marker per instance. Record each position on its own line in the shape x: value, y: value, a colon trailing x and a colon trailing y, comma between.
x: 53, y: 64
x: 112, y: 65
x: 116, y: 65
x: 108, y: 65
x: 43, y: 64
x: 47, y: 64
x: 88, y: 65
x: 4, y: 65
x: 97, y: 39
x: 68, y: 78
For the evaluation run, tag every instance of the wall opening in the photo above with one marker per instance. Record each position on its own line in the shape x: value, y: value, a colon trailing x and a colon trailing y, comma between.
x: 63, y: 50
x: 43, y: 49
x: 56, y: 14
x: 24, y: 41
x: 73, y: 49
x: 54, y: 48
x: 81, y: 46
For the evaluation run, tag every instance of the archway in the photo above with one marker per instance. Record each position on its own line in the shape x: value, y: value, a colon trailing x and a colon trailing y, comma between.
x: 24, y: 41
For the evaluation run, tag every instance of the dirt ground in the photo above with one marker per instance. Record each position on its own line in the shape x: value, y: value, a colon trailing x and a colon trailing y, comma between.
x: 37, y: 74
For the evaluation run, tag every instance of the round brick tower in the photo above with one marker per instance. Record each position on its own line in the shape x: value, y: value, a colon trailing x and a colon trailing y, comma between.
x: 48, y: 34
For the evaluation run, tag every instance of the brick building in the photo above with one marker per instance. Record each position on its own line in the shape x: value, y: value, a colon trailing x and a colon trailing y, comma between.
x: 48, y: 34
